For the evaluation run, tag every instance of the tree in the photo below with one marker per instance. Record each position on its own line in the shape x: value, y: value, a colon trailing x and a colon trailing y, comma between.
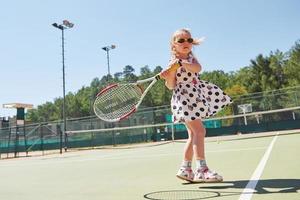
x: 145, y: 72
x: 129, y: 76
x: 218, y: 77
x: 32, y: 115
x: 95, y: 82
x: 47, y: 112
x: 157, y: 69
x: 266, y: 73
x: 118, y: 76
x: 292, y: 66
x: 277, y: 61
x: 236, y: 92
x: 245, y: 77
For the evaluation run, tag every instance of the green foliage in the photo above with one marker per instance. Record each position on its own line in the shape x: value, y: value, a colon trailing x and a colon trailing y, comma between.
x: 218, y: 77
x: 250, y: 84
x: 292, y: 66
x: 128, y: 73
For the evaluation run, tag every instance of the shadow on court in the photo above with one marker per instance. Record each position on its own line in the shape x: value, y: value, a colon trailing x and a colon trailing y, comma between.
x: 264, y: 186
x: 268, y: 186
x: 188, y: 194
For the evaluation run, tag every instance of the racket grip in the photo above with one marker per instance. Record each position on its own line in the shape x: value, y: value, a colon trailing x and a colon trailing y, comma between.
x: 174, y: 67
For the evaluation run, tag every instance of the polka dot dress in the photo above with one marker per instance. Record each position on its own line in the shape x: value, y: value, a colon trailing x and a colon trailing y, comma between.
x: 194, y: 98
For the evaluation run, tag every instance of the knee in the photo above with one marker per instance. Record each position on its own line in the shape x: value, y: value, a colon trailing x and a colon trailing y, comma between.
x: 190, y: 138
x: 201, y: 132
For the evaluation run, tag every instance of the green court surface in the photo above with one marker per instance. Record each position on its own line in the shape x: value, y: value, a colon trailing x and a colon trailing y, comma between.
x: 149, y: 172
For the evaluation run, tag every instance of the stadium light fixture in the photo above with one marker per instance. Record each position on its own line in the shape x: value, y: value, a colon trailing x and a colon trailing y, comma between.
x: 107, y: 49
x: 65, y: 25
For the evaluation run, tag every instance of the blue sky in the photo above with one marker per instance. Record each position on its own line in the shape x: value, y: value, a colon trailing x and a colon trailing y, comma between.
x: 31, y: 69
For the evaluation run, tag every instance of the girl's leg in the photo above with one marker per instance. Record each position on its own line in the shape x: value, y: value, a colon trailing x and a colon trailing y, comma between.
x: 202, y: 174
x: 198, y: 130
x: 185, y: 172
x: 188, y: 149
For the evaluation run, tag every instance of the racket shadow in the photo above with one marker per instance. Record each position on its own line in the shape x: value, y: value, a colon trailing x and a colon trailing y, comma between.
x: 181, y: 195
x: 189, y: 194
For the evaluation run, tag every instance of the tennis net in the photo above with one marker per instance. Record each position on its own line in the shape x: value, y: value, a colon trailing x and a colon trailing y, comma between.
x: 84, y: 134
x: 273, y: 120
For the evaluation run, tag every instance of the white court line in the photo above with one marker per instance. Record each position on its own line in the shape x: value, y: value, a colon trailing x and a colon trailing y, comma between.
x: 231, y: 150
x: 250, y: 187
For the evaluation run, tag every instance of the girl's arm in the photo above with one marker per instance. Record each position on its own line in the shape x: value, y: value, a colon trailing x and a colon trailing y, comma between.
x: 170, y: 79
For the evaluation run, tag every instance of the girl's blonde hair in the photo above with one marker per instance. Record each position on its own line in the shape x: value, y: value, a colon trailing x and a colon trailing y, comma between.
x: 196, y: 41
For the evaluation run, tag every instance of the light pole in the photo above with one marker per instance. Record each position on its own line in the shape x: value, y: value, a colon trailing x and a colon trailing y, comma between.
x: 65, y: 25
x: 107, y: 49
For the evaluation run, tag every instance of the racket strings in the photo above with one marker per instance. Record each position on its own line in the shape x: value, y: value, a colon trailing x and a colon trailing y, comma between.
x: 117, y: 101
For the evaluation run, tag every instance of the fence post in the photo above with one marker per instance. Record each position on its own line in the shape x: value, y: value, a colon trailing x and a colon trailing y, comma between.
x: 17, y: 141
x: 42, y: 138
x: 25, y: 138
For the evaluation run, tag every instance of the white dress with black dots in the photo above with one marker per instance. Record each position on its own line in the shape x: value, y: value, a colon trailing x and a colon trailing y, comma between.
x: 194, y: 98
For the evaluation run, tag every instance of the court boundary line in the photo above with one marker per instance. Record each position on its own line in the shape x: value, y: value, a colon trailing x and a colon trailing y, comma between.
x: 250, y: 187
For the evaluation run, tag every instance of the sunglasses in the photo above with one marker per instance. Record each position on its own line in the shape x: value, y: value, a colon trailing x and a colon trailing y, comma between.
x: 182, y: 40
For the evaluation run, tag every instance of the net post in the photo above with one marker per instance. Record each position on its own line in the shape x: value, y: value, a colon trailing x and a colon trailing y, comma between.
x: 173, y: 135
x: 294, y: 116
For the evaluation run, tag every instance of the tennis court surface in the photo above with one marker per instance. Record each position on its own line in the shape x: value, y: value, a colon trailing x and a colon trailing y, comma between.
x: 253, y: 168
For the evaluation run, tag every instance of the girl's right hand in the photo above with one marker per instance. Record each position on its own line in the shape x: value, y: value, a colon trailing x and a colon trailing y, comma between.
x: 164, y: 74
x: 169, y: 72
x: 169, y: 77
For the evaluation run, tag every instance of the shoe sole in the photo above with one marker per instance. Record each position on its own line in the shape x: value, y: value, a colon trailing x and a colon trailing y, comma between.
x: 184, y: 178
x: 200, y: 181
x: 208, y: 181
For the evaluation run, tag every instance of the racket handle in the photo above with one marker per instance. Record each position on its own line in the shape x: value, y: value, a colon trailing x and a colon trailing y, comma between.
x: 174, y: 67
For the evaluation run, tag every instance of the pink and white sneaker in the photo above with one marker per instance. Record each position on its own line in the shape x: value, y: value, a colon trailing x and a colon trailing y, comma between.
x: 185, y: 173
x: 205, y: 175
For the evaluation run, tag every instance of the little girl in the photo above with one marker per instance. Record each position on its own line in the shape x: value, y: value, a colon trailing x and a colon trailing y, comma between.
x: 192, y: 100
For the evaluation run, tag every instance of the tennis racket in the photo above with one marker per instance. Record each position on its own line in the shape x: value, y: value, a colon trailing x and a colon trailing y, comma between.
x: 118, y: 101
